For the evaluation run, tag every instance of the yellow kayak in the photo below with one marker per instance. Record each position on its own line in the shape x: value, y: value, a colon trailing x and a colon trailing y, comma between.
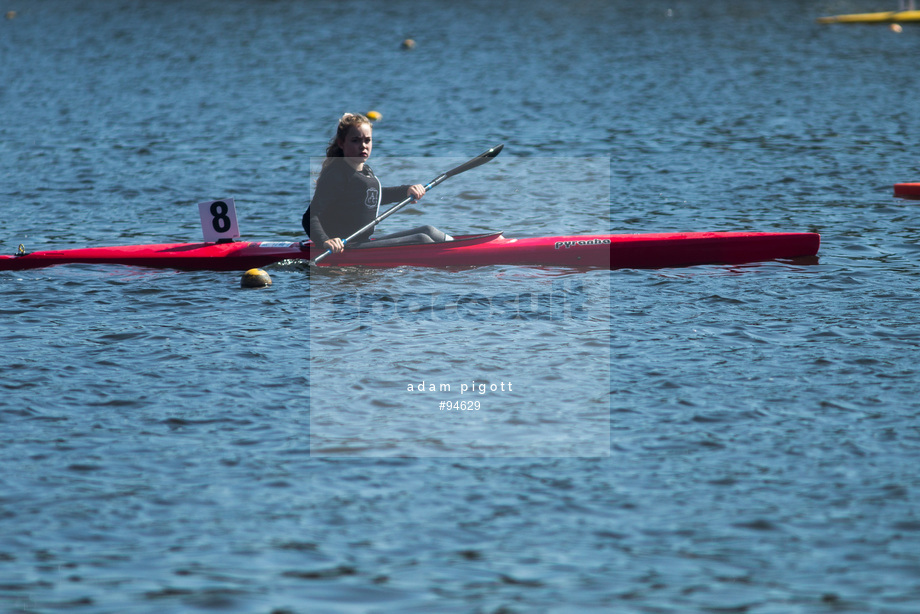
x: 885, y: 17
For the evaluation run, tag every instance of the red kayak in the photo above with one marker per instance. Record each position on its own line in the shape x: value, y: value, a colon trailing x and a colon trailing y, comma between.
x: 638, y: 251
x: 907, y: 190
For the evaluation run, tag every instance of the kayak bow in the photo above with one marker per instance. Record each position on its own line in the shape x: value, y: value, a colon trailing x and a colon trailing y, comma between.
x: 907, y: 190
x: 640, y: 251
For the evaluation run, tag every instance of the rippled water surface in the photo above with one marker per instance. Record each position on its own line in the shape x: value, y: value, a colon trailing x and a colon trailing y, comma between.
x: 714, y: 438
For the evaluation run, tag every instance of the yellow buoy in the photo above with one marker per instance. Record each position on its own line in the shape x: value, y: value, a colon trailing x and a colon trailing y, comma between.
x: 408, y: 44
x: 373, y: 115
x: 255, y: 278
x: 896, y: 28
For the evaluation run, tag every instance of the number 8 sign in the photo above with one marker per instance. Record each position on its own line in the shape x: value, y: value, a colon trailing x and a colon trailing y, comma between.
x: 218, y: 220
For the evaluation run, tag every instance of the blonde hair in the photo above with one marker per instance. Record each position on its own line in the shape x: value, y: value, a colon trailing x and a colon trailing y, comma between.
x: 345, y: 124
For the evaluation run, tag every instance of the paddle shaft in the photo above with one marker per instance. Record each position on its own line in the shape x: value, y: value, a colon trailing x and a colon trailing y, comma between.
x: 477, y: 161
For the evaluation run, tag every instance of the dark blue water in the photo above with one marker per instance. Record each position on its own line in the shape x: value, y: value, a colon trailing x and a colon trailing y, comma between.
x: 715, y: 439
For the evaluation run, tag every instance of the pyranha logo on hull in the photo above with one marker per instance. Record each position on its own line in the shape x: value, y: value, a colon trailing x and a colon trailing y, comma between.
x: 568, y: 244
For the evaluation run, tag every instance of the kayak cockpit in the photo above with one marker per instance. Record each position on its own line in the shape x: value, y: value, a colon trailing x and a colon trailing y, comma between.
x: 459, y: 241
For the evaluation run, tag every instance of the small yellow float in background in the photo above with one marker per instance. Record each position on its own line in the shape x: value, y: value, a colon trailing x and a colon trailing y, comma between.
x: 885, y: 17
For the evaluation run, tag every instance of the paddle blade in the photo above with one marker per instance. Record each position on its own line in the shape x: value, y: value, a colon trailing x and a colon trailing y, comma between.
x: 477, y: 161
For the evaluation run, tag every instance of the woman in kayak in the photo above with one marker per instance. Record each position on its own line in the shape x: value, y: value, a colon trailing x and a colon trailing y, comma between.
x: 348, y: 195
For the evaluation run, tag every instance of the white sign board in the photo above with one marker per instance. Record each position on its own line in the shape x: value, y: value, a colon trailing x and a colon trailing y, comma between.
x: 218, y: 220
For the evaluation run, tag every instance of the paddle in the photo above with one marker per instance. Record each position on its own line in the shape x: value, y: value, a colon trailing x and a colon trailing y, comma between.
x: 477, y: 161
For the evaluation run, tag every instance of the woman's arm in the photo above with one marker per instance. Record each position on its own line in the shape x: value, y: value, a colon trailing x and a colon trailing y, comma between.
x: 401, y: 192
x: 327, y: 186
